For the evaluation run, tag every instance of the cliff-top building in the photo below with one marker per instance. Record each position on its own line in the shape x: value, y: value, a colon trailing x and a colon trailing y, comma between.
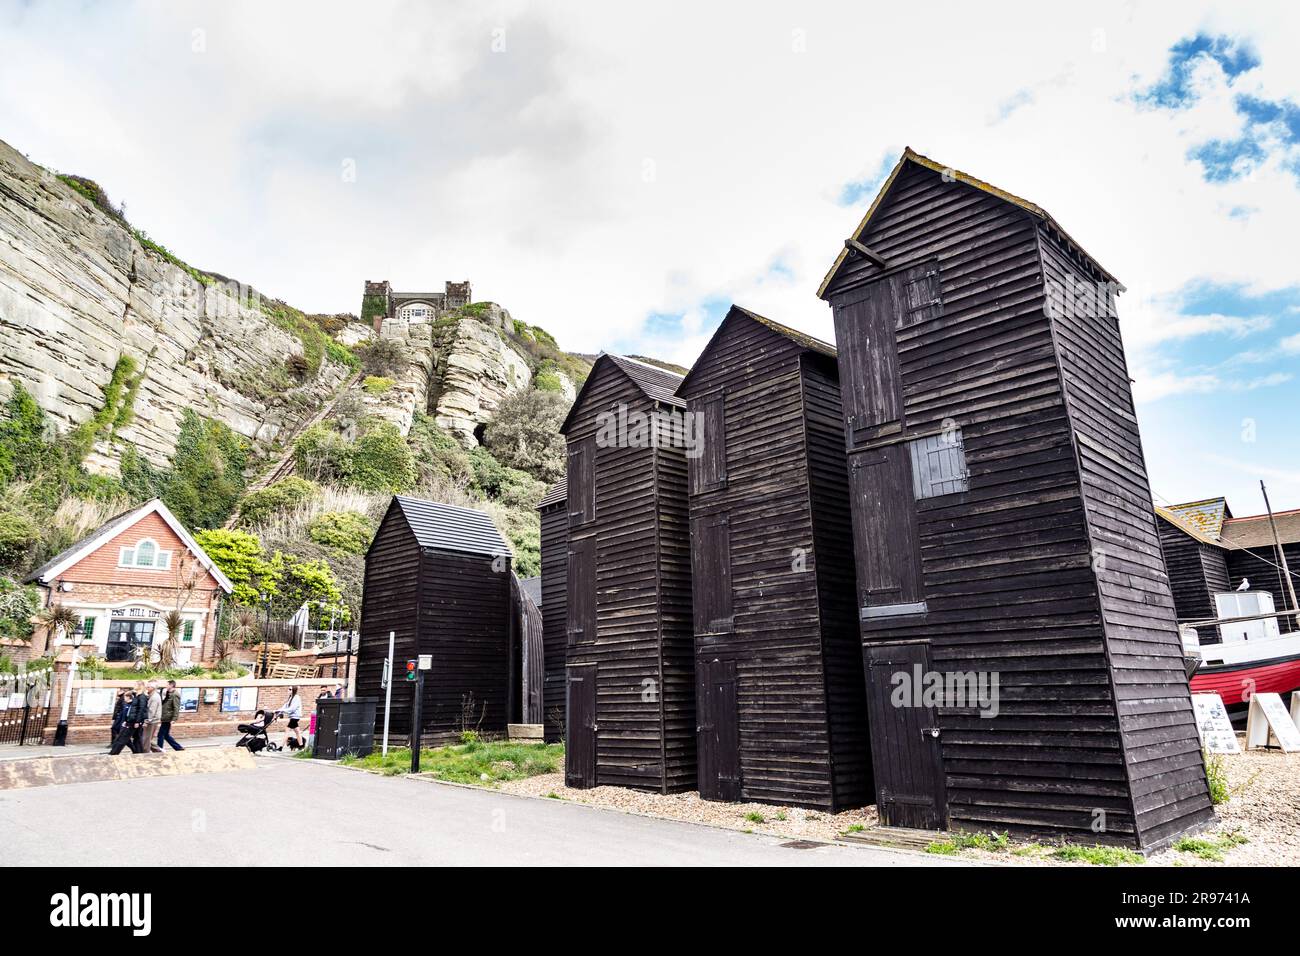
x: 380, y: 302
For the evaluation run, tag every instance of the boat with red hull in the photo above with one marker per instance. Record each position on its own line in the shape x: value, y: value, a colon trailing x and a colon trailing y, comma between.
x: 1236, y: 669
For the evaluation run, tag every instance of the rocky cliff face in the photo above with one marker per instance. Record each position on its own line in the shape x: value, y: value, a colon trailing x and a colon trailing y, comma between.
x: 474, y: 368
x: 78, y: 290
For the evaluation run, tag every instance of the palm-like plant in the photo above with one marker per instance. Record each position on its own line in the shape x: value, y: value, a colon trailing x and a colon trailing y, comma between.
x: 172, y: 622
x: 61, y: 618
x: 245, y: 630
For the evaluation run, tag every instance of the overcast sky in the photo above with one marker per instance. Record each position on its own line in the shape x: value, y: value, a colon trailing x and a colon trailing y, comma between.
x: 620, y: 173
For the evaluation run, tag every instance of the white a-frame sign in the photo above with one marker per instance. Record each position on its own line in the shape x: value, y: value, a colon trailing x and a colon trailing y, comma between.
x: 1269, y: 718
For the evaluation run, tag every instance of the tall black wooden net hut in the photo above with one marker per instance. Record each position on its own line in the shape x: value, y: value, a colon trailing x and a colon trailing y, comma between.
x: 440, y: 577
x: 1003, y: 526
x: 780, y: 701
x: 630, y: 709
x: 555, y: 621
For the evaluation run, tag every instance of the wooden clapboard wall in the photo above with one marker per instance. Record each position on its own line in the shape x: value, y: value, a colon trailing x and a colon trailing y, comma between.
x: 773, y: 571
x: 628, y: 588
x: 440, y: 577
x: 998, y: 576
x: 1197, y: 571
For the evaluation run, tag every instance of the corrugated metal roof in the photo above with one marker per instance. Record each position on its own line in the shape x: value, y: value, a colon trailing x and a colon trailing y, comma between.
x: 1256, y: 531
x: 1205, y: 516
x: 801, y: 339
x: 909, y: 155
x: 450, y: 528
x: 533, y: 588
x: 555, y: 494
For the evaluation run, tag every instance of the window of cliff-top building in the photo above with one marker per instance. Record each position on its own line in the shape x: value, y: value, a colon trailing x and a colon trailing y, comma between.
x: 145, y: 554
x: 417, y: 311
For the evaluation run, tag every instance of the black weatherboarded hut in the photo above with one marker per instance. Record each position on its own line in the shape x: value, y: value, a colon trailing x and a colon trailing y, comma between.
x: 1004, y: 525
x: 555, y: 621
x: 780, y: 701
x: 440, y: 578
x: 630, y: 709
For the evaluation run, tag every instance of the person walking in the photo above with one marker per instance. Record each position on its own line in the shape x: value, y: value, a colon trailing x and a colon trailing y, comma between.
x: 154, y: 719
x: 293, y: 710
x: 137, y: 711
x: 171, y: 709
x: 119, y: 714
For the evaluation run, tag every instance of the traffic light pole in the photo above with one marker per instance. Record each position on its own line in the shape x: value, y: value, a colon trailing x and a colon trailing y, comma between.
x: 416, y: 721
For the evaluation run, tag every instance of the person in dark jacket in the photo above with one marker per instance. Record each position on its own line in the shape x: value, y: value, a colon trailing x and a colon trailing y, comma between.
x: 119, y: 714
x: 136, y: 714
x: 171, y: 709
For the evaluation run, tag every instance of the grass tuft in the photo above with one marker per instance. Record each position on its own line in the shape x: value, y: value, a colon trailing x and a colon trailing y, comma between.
x: 484, y: 763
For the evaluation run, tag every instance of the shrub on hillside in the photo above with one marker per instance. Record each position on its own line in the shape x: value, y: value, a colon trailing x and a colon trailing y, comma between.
x: 524, y: 433
x: 344, y: 531
x: 381, y: 460
x: 439, y: 458
x: 240, y: 555
x: 18, y: 537
x: 18, y: 605
x: 207, y: 474
x: 259, y: 506
x: 510, y: 486
x: 381, y: 357
x: 321, y: 453
x: 377, y: 384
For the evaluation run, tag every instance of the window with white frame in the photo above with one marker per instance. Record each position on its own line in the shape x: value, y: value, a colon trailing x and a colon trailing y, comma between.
x: 145, y: 554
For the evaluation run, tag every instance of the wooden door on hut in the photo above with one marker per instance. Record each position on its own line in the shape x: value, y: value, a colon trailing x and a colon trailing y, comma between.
x: 779, y: 664
x: 1003, y: 517
x: 628, y: 587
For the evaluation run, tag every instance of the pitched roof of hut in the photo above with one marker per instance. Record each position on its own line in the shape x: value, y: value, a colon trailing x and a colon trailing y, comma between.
x: 655, y: 383
x: 911, y: 156
x: 556, y: 494
x: 449, y: 528
x: 736, y: 312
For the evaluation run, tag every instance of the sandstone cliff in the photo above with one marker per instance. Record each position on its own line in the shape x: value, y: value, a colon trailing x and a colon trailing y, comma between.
x: 79, y: 289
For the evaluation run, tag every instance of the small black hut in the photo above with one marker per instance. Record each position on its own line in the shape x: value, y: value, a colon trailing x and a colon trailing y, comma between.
x: 555, y: 622
x: 440, y: 577
x: 630, y: 695
x: 1004, y: 527
x: 778, y: 664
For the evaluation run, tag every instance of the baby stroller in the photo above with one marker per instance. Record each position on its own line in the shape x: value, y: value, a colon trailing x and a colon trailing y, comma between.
x: 255, y: 737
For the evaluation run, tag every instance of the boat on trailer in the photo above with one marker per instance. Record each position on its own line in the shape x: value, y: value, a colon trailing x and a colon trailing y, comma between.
x: 1247, y: 654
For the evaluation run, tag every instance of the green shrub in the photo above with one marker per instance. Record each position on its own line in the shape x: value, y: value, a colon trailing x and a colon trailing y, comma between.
x: 438, y: 456
x: 381, y: 460
x: 524, y: 433
x: 548, y: 382
x: 240, y: 555
x: 18, y: 536
x: 377, y: 384
x: 207, y: 473
x: 340, y: 353
x: 381, y: 357
x: 323, y: 454
x: 1216, y: 775
x: 259, y: 506
x: 23, y: 445
x: 18, y: 604
x: 140, y: 480
x: 345, y: 531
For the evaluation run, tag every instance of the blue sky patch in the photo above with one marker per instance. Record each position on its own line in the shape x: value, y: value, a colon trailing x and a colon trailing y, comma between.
x: 864, y: 190
x: 1174, y: 91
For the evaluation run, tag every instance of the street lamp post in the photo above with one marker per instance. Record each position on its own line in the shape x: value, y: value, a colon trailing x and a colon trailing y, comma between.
x: 266, y: 639
x: 61, y: 732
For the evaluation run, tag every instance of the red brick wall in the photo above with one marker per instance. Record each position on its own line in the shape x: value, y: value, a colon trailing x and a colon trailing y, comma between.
x: 207, y: 721
x: 100, y: 566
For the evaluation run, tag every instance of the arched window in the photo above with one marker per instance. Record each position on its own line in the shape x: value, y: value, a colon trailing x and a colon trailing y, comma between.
x: 145, y: 554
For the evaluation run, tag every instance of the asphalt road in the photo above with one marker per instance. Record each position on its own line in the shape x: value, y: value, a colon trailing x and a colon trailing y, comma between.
x: 293, y: 813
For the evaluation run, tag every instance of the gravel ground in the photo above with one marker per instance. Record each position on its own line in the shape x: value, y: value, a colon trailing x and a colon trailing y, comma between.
x: 794, y: 822
x: 1264, y: 807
